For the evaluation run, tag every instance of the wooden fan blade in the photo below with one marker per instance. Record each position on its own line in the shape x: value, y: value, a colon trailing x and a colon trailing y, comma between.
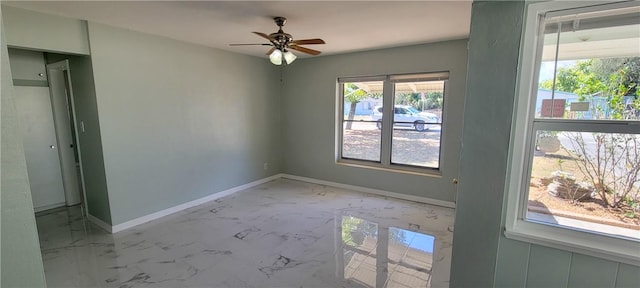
x: 304, y: 50
x: 265, y: 36
x: 261, y: 44
x: 307, y: 41
x: 271, y: 51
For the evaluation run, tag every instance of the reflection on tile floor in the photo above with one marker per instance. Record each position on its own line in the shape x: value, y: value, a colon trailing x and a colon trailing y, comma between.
x: 396, y: 257
x: 283, y: 233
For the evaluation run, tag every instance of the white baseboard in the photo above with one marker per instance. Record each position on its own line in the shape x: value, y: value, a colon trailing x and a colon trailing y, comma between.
x: 178, y: 208
x: 100, y: 223
x: 374, y: 191
x: 153, y: 216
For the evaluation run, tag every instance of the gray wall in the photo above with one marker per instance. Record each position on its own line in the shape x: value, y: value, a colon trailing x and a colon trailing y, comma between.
x: 28, y: 29
x: 21, y: 262
x: 309, y: 106
x: 90, y: 141
x: 179, y: 121
x: 26, y: 67
x: 482, y: 256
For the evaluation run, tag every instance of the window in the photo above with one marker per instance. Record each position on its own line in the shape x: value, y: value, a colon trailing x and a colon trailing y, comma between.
x: 399, y: 127
x: 575, y: 167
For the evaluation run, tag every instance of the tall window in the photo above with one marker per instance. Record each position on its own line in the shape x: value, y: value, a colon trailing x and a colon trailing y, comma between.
x: 361, y: 133
x: 392, y: 121
x: 578, y: 130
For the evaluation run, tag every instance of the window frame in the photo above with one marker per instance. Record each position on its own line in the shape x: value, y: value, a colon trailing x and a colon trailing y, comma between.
x: 386, y: 135
x: 517, y: 226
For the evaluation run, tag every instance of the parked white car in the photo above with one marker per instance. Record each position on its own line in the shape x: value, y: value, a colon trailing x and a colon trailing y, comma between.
x: 407, y: 116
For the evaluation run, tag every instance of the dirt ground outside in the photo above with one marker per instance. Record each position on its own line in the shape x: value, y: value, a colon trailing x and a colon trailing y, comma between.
x: 592, y: 210
x: 409, y: 147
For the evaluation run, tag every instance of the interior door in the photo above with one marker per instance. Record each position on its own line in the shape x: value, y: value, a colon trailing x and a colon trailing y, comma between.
x: 60, y: 87
x: 40, y: 146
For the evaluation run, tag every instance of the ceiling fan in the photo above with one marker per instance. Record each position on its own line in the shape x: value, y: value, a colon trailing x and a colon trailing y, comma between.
x: 283, y: 42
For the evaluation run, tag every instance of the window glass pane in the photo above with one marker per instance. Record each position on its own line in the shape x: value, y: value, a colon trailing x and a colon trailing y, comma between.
x: 590, y: 69
x: 586, y: 180
x: 417, y: 123
x: 359, y: 240
x: 362, y: 107
x: 361, y: 141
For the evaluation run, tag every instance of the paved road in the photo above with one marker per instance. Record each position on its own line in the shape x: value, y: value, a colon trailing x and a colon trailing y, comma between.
x: 590, y: 143
x: 372, y: 126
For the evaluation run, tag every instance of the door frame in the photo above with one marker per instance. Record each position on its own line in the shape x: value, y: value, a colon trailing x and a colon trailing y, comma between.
x: 63, y: 66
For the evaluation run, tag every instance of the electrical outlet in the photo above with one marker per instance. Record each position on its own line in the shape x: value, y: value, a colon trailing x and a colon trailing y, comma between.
x: 265, y: 166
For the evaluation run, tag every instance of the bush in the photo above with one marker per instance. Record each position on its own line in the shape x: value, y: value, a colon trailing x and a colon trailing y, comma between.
x: 612, y: 167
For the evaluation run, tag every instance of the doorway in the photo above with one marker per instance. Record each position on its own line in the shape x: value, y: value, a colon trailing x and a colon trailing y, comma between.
x: 44, y: 102
x: 64, y: 120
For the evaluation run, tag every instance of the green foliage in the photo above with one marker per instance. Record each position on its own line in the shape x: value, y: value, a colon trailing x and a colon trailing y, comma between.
x: 621, y: 74
x: 623, y: 81
x: 350, y: 224
x: 634, y: 204
x: 432, y: 100
x: 611, y: 78
x: 559, y: 163
x: 579, y: 79
x: 353, y: 93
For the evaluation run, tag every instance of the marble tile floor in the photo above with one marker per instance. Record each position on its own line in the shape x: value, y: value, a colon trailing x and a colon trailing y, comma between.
x: 283, y: 233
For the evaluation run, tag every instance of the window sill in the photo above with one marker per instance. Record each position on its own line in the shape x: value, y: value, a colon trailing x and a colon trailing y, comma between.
x: 396, y: 169
x: 565, y: 238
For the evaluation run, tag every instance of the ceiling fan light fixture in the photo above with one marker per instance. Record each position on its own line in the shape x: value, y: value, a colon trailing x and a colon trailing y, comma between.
x: 289, y: 57
x: 281, y: 42
x: 276, y: 57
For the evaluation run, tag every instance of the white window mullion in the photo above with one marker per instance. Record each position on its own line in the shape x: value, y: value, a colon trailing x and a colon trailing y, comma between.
x: 387, y: 122
x: 340, y: 120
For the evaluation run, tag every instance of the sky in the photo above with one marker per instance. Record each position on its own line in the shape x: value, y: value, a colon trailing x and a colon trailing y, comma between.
x: 546, y: 69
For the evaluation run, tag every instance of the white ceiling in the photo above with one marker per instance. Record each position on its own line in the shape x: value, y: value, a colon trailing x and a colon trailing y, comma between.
x: 345, y: 26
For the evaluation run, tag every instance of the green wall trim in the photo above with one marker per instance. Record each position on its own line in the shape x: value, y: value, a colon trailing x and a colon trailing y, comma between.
x: 628, y: 276
x: 494, y: 44
x: 21, y: 261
